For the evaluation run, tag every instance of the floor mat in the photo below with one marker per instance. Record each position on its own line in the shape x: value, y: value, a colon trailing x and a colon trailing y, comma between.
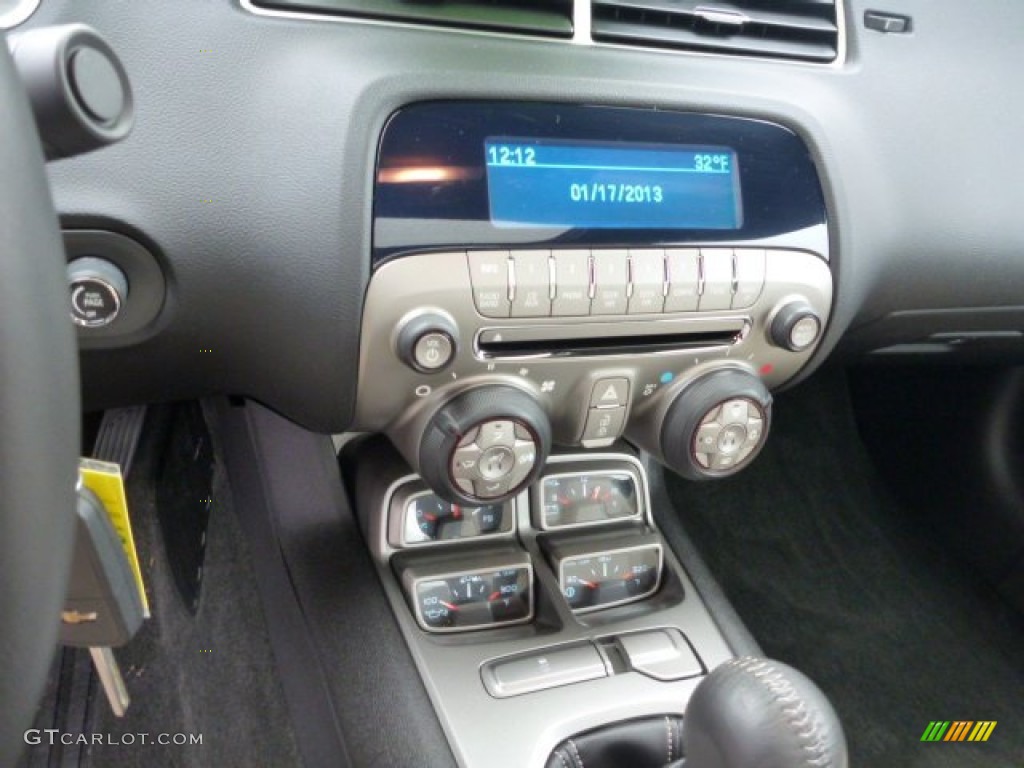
x: 833, y: 577
x: 210, y: 675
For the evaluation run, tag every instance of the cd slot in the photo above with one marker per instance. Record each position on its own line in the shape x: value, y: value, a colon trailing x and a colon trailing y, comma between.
x: 593, y: 339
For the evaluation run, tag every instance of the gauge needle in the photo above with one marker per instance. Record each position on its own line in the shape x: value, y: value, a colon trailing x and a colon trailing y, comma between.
x: 590, y: 584
x: 430, y: 518
x: 449, y: 606
x: 494, y: 595
x: 456, y: 511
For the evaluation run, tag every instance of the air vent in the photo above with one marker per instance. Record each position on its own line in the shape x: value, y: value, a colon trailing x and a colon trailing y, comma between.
x: 551, y: 18
x: 792, y: 29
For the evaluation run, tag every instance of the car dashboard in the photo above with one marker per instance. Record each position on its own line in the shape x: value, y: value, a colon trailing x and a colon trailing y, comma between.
x: 534, y: 250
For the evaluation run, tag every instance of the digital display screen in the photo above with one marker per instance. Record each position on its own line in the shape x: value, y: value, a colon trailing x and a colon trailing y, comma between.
x: 597, y: 185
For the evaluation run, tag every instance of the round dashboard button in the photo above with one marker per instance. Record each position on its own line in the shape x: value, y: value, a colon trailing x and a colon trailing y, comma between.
x: 433, y: 351
x: 496, y: 462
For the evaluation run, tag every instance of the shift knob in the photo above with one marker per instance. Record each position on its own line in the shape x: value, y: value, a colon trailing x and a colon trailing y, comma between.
x: 757, y: 712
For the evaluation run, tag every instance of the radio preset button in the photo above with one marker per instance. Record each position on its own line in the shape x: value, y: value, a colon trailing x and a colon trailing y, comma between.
x: 683, y: 279
x: 572, y: 283
x: 532, y: 289
x: 611, y: 281
x: 647, y: 279
x: 750, y: 271
x: 488, y: 272
x: 718, y: 278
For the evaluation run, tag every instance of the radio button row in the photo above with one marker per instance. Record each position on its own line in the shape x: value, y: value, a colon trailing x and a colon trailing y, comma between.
x: 572, y: 283
x: 640, y: 281
x: 611, y: 280
x: 647, y: 278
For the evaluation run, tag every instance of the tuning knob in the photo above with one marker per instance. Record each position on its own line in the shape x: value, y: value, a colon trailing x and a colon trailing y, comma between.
x: 485, y: 445
x: 796, y: 326
x: 717, y: 424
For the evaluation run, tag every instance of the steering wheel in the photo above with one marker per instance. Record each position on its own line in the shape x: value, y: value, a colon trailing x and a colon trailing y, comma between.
x: 40, y: 418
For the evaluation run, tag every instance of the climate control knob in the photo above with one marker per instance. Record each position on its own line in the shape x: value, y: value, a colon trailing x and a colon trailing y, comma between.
x: 485, y: 445
x: 717, y: 424
x: 796, y: 326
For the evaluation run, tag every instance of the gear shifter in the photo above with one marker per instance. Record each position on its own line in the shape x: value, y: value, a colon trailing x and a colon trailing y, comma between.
x: 748, y: 712
x: 752, y: 711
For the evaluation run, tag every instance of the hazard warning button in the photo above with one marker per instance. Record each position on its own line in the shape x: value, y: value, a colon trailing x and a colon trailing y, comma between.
x: 610, y: 393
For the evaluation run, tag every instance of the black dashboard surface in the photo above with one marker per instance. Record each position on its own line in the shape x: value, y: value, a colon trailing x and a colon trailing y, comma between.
x: 249, y: 173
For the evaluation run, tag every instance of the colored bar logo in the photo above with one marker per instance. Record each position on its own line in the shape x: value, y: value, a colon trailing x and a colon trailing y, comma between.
x: 958, y: 730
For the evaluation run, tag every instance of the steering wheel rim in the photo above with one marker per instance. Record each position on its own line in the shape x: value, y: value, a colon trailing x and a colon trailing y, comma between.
x: 40, y: 417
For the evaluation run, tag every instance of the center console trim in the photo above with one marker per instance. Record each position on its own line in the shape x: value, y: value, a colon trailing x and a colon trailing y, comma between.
x: 451, y: 665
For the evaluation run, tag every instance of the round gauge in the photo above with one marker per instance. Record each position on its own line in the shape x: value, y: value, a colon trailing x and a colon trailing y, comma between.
x: 588, y: 498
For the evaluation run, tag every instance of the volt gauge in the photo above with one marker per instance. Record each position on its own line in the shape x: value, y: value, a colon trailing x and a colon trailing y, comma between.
x: 588, y: 497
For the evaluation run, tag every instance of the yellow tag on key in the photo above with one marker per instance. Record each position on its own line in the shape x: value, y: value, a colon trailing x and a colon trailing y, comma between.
x: 104, y: 479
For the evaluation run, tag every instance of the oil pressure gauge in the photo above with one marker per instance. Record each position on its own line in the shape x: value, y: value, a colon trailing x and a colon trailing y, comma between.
x: 467, y: 594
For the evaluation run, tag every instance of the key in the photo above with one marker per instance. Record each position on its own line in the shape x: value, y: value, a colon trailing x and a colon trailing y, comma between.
x: 103, y: 607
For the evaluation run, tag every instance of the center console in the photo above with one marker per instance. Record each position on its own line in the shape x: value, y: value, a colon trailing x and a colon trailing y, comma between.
x: 555, y: 612
x: 555, y: 291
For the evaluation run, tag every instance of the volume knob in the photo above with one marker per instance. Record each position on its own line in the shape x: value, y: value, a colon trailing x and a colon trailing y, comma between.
x: 427, y: 340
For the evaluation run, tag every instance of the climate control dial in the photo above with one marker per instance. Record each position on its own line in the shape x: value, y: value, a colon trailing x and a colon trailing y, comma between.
x: 485, y: 445
x: 717, y: 424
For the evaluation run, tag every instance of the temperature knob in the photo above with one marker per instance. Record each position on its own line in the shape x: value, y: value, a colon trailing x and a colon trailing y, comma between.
x: 717, y: 424
x: 485, y: 445
x: 98, y: 291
